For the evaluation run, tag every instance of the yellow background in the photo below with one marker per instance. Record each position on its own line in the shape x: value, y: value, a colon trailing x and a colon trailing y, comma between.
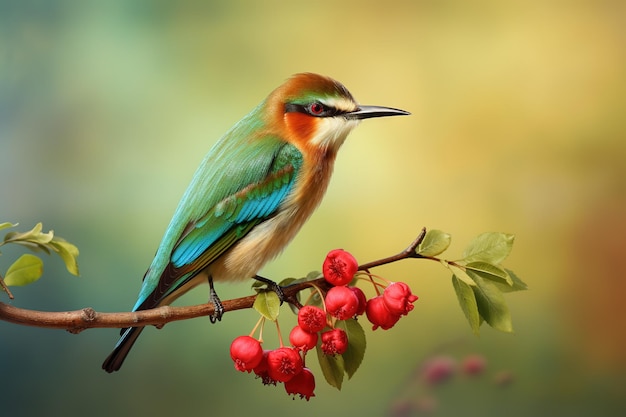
x: 106, y: 109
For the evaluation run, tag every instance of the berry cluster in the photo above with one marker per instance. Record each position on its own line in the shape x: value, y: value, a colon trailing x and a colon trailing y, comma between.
x: 279, y: 365
x: 317, y: 326
x: 284, y: 364
x: 382, y: 311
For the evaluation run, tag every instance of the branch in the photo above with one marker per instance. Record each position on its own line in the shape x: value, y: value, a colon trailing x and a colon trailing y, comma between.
x: 409, y: 252
x: 5, y: 288
x: 87, y: 318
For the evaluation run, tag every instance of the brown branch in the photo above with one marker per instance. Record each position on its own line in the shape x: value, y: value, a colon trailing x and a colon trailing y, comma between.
x: 5, y: 288
x: 409, y: 252
x: 87, y: 318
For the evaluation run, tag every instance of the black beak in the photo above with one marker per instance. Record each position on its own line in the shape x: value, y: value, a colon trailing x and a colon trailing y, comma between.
x: 367, y: 112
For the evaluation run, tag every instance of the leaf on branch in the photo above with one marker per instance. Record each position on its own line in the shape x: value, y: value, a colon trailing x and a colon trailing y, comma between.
x: 6, y: 225
x: 25, y: 270
x: 461, y: 274
x: 491, y: 304
x: 335, y: 366
x: 68, y: 252
x: 492, y: 248
x: 267, y: 304
x: 467, y: 301
x: 313, y: 275
x: 332, y: 367
x: 518, y: 284
x: 355, y: 353
x: 480, y: 282
x: 434, y: 243
x: 288, y: 281
x: 490, y: 271
x: 33, y: 237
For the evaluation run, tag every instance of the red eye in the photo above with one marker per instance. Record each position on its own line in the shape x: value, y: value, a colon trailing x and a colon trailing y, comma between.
x: 316, y: 108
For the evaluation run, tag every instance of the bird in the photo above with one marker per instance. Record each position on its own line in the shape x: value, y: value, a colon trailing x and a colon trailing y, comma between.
x: 251, y: 194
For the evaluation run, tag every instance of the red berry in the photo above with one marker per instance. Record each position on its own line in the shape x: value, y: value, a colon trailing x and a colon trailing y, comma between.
x: 438, y: 370
x: 339, y: 267
x: 246, y: 352
x: 362, y: 300
x: 312, y: 319
x: 473, y: 365
x: 341, y: 302
x: 334, y: 342
x: 302, y: 384
x: 301, y: 339
x: 283, y: 364
x: 379, y: 315
x: 262, y: 366
x: 398, y: 298
x: 261, y: 370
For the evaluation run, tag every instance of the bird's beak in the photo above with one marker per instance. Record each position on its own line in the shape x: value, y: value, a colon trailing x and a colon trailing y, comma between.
x: 367, y: 112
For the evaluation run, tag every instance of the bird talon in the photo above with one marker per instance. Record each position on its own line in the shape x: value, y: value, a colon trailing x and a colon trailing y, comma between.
x: 217, y: 315
x: 279, y: 292
x: 273, y: 286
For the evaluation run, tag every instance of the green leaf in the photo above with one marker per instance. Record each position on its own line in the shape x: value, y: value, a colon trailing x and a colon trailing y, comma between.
x: 289, y: 281
x: 490, y: 271
x: 313, y: 275
x: 332, y: 367
x: 258, y: 285
x: 267, y: 304
x: 6, y: 225
x: 353, y: 356
x: 461, y: 274
x: 492, y: 248
x: 518, y: 284
x: 68, y: 252
x: 33, y: 236
x: 35, y: 239
x: 434, y: 243
x: 25, y: 270
x: 467, y: 301
x: 491, y: 304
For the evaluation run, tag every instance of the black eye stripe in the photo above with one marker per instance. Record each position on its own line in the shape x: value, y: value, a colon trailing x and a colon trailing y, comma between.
x: 294, y: 108
x: 302, y: 108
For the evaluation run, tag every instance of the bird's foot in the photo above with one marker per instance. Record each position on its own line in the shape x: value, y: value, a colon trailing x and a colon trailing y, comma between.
x: 273, y: 286
x: 217, y: 303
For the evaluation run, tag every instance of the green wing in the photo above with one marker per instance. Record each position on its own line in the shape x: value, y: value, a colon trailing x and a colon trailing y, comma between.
x: 270, y: 172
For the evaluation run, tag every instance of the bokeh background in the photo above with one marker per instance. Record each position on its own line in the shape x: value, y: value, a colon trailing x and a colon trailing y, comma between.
x: 518, y: 125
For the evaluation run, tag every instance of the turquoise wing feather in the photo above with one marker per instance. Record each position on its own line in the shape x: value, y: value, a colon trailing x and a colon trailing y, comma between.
x: 235, y: 197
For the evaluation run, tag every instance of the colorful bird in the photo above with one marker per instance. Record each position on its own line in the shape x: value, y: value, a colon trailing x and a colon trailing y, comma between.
x: 251, y: 194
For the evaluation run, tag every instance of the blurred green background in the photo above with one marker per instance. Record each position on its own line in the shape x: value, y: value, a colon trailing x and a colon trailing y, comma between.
x: 106, y: 109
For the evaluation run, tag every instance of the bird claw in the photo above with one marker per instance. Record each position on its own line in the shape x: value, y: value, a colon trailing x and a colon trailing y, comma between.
x: 279, y: 292
x: 273, y: 286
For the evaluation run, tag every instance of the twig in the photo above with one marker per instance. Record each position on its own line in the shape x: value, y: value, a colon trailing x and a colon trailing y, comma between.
x: 409, y: 252
x: 87, y: 318
x: 6, y: 288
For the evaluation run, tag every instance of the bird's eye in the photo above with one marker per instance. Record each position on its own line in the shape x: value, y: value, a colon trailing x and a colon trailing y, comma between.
x: 316, y: 108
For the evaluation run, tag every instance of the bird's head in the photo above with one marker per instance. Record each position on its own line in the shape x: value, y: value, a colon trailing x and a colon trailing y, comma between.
x: 318, y: 112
